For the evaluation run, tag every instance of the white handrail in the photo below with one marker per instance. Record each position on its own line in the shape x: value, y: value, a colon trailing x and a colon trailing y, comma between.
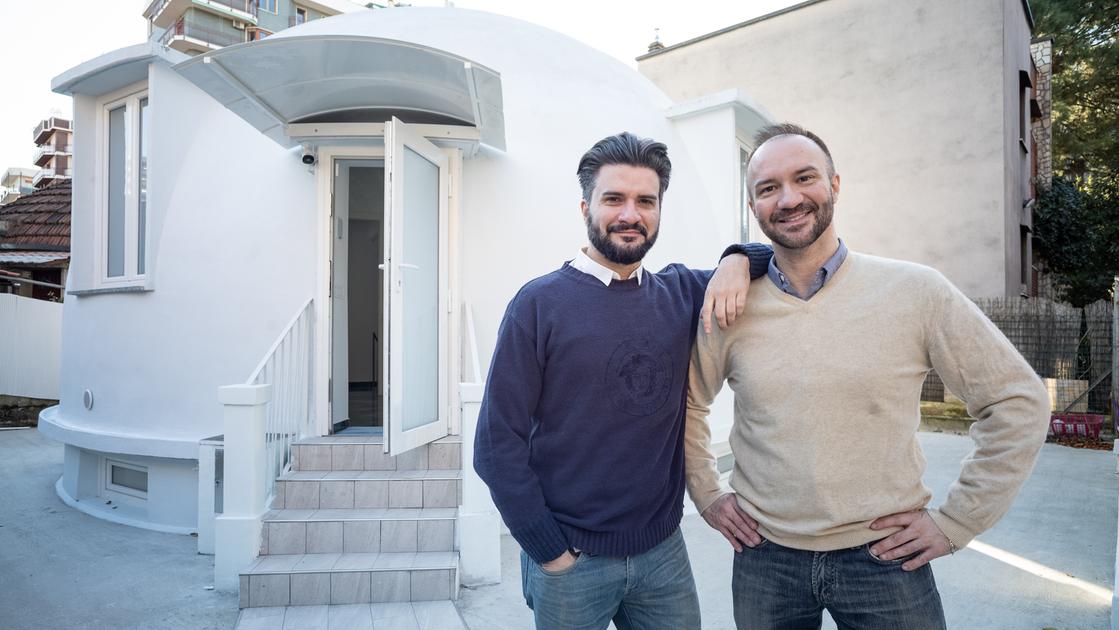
x: 268, y: 355
x: 288, y: 368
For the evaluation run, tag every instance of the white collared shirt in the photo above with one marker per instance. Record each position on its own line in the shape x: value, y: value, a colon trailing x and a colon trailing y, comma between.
x: 584, y: 263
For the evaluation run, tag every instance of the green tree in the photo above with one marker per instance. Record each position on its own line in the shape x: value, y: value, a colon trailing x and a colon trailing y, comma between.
x: 1078, y: 235
x: 1085, y: 89
x: 1076, y: 226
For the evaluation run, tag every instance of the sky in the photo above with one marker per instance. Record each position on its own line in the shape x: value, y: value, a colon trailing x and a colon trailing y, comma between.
x: 40, y: 40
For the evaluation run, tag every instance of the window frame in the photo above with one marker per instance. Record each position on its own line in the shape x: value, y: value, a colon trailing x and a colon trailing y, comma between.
x: 130, y: 98
x: 743, y: 196
x: 262, y: 5
x: 112, y: 490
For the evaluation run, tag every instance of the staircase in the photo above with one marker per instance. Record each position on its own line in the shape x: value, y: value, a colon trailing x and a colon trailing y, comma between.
x: 355, y: 532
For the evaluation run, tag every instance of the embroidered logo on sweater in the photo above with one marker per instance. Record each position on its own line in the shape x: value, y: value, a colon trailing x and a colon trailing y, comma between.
x: 639, y: 377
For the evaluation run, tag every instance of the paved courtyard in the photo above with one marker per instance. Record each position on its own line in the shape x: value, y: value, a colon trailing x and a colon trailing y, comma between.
x: 1064, y: 520
x: 60, y: 568
x: 1048, y: 564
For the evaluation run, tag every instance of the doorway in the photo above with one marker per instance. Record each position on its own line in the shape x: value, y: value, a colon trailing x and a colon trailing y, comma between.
x: 389, y: 290
x: 359, y: 194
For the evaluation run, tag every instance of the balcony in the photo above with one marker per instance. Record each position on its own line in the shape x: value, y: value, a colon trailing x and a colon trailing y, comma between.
x: 186, y: 36
x: 49, y: 175
x: 45, y: 128
x: 8, y: 195
x: 45, y: 152
x: 17, y: 178
x: 164, y: 13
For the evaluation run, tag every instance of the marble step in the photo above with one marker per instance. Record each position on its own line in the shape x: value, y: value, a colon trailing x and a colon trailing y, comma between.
x: 349, y: 578
x: 438, y: 615
x: 372, y: 530
x: 312, y: 490
x: 366, y: 452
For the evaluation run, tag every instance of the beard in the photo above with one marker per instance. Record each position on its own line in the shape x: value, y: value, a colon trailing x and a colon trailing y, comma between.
x: 623, y: 254
x: 821, y: 219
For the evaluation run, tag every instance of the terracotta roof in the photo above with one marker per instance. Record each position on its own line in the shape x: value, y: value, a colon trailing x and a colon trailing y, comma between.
x: 38, y: 221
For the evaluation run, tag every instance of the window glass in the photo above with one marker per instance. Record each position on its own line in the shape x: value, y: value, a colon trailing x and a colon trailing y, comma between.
x: 142, y: 218
x: 130, y: 478
x: 268, y: 5
x: 421, y: 291
x: 115, y: 219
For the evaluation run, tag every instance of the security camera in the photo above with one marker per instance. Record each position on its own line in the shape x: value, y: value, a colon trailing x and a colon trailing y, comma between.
x: 308, y: 154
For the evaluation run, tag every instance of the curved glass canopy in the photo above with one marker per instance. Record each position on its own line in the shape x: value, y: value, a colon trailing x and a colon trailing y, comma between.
x: 334, y: 78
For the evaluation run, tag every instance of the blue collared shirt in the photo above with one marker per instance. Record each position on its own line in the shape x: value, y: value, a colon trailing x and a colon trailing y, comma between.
x: 823, y: 274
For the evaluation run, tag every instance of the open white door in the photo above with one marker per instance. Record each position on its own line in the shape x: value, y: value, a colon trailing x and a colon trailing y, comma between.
x: 415, y: 299
x: 339, y: 289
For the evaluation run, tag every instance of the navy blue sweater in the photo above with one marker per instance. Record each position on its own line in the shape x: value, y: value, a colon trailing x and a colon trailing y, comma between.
x: 580, y: 433
x: 581, y: 430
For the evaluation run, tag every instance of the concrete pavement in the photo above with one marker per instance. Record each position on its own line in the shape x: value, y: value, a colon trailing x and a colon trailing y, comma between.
x: 60, y: 568
x: 1064, y: 519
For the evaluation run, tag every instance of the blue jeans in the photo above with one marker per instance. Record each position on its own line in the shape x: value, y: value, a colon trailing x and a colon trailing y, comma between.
x: 649, y: 591
x: 778, y: 588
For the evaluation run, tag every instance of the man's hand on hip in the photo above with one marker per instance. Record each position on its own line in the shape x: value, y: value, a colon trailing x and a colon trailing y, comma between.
x: 734, y: 524
x: 920, y: 535
x: 726, y: 293
x: 560, y: 563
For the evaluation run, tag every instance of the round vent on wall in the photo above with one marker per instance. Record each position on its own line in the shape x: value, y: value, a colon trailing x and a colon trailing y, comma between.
x: 87, y: 399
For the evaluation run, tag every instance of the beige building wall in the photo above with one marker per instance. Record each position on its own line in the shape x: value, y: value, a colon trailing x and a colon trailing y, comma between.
x: 918, y: 102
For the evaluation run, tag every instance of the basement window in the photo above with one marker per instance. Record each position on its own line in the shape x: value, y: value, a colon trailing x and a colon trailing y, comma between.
x: 128, y: 479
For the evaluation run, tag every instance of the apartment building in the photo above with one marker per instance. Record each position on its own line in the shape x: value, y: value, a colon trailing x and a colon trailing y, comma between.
x: 15, y: 183
x: 54, y: 153
x: 198, y: 26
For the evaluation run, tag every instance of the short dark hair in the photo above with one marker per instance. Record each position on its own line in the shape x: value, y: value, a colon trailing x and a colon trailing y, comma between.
x: 624, y: 148
x: 765, y: 134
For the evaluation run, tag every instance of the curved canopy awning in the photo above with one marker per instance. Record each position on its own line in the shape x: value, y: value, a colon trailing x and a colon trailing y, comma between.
x: 335, y: 78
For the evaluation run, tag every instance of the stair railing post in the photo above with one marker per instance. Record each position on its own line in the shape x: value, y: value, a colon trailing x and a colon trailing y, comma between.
x: 479, y: 523
x: 237, y: 531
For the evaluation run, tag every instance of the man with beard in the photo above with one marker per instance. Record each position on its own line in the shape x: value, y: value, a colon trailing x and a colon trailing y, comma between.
x: 580, y: 433
x: 827, y: 508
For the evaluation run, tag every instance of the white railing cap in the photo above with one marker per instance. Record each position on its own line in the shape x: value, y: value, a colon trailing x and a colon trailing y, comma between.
x: 471, y: 392
x: 244, y: 394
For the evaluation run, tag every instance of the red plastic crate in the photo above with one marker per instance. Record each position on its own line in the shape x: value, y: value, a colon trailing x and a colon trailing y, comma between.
x: 1082, y: 424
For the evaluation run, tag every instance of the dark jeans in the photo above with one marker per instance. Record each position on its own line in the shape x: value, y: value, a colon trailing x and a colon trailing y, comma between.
x: 649, y: 591
x: 778, y: 588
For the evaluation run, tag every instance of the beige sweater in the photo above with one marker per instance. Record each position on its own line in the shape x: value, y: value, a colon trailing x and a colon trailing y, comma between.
x: 826, y: 406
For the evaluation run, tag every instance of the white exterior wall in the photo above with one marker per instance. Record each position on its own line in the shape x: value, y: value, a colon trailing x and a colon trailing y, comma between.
x: 171, y: 505
x: 231, y: 260
x: 909, y: 96
x: 30, y: 348
x: 519, y: 214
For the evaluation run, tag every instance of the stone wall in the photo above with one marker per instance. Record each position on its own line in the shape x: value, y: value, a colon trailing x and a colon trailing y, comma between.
x: 1042, y: 129
x: 16, y: 411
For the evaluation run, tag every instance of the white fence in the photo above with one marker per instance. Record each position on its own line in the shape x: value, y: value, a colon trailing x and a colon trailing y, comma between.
x: 30, y: 347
